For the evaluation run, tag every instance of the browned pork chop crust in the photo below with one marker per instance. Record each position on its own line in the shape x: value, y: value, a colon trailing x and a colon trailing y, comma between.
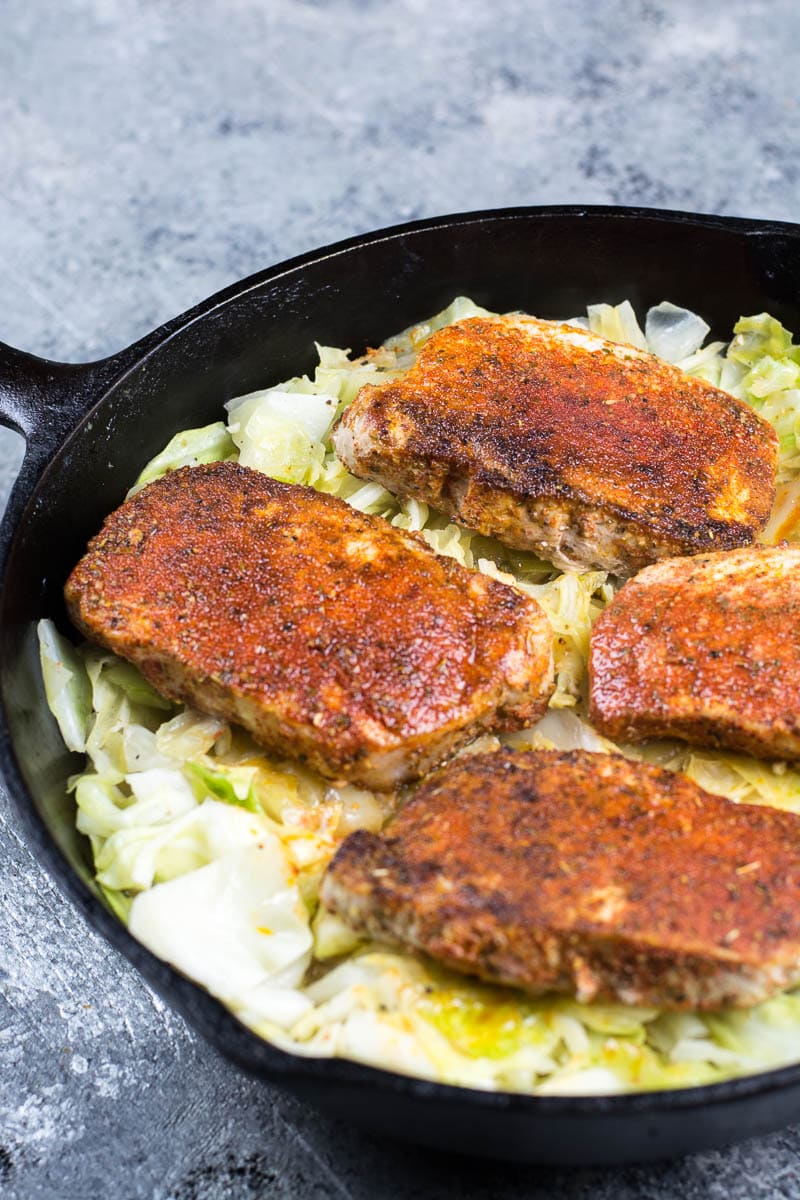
x: 705, y: 649
x: 556, y: 440
x: 583, y: 873
x: 333, y: 637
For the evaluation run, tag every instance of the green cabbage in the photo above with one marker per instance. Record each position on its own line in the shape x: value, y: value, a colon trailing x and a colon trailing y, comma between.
x: 760, y: 337
x: 282, y: 432
x: 572, y: 602
x: 209, y: 444
x: 404, y: 347
x: 617, y: 323
x: 125, y: 676
x: 747, y: 780
x: 66, y: 686
x: 232, y: 785
x: 190, y: 734
x: 762, y: 367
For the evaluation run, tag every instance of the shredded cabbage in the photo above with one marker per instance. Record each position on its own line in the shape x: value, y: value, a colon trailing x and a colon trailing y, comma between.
x: 213, y: 851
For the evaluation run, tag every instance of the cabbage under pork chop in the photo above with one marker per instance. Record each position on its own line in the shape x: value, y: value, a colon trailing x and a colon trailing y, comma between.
x: 556, y: 440
x: 333, y: 637
x: 583, y: 873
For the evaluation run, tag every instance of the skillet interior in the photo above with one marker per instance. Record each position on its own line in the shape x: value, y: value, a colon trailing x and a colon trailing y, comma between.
x: 550, y: 262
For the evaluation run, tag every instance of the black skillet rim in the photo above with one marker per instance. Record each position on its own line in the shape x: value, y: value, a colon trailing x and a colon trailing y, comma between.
x: 203, y: 1013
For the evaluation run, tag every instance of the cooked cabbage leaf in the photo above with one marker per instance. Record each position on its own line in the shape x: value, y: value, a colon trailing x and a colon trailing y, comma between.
x: 211, y: 443
x: 66, y: 686
x: 617, y: 322
x: 674, y: 333
x: 238, y: 926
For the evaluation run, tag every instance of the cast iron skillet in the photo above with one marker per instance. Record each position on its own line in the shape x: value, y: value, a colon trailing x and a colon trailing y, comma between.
x: 89, y: 429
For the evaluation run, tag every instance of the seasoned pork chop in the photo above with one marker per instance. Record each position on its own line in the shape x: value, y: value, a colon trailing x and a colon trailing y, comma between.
x: 705, y: 649
x: 556, y: 440
x: 333, y: 637
x: 583, y: 873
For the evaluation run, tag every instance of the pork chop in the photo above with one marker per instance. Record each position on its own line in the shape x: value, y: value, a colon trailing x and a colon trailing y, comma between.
x: 333, y: 637
x: 556, y: 440
x: 583, y: 873
x: 705, y: 649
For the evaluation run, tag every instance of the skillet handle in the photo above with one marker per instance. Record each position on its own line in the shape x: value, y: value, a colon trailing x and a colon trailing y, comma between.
x: 44, y: 400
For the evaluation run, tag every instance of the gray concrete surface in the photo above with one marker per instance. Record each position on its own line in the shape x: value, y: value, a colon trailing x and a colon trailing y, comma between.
x: 151, y: 151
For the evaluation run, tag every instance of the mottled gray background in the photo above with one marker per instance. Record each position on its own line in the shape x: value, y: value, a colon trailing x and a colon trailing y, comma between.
x: 152, y: 151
